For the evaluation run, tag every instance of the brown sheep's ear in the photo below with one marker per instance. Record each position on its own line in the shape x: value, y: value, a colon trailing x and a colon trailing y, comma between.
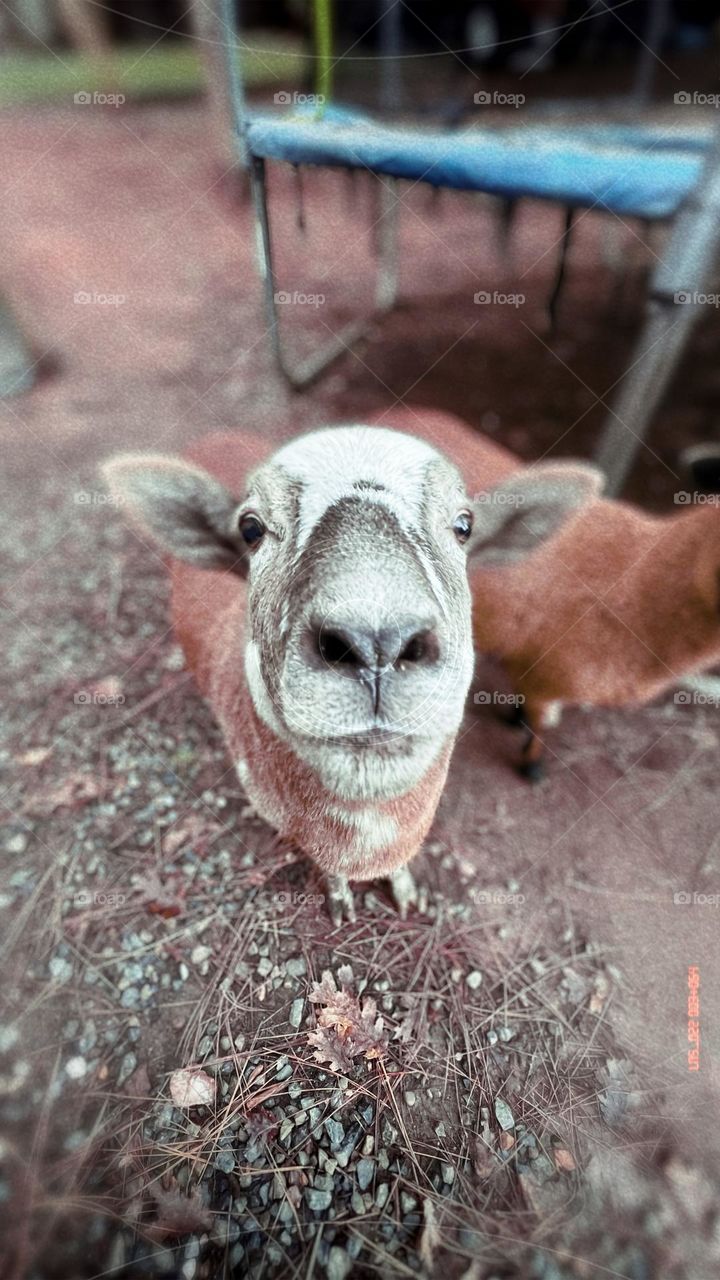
x: 517, y: 516
x: 182, y: 509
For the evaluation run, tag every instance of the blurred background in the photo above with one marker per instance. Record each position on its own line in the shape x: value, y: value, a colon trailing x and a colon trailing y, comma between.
x: 516, y: 219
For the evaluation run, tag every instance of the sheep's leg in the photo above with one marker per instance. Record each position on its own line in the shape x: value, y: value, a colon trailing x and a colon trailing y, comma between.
x: 532, y: 765
x: 406, y: 893
x: 341, y: 903
x: 515, y: 717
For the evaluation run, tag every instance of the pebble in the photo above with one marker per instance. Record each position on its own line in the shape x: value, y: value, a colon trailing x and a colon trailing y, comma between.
x: 127, y: 1066
x: 60, y: 969
x: 338, y: 1263
x: 335, y: 1131
x: 364, y: 1173
x: 225, y: 1161
x: 318, y: 1200
x: 76, y: 1068
x: 296, y: 1012
x: 382, y: 1194
x: 200, y: 954
x: 17, y: 843
x: 504, y: 1115
x: 474, y: 979
x: 410, y: 1097
x: 448, y: 1174
x: 296, y: 967
x: 9, y: 1037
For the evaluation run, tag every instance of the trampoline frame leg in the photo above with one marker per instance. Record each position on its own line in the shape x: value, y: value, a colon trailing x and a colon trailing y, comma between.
x: 687, y: 267
x: 307, y: 371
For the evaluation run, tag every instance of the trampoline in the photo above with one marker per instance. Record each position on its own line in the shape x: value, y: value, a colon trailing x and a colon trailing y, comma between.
x: 650, y: 173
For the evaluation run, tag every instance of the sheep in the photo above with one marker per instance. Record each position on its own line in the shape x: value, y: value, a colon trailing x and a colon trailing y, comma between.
x: 614, y: 609
x: 321, y: 598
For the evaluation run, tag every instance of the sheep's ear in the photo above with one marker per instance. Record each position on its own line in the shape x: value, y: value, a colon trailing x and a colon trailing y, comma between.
x: 179, y: 507
x: 517, y: 516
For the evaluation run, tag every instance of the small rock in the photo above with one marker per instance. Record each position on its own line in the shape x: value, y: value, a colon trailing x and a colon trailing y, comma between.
x: 225, y: 1161
x: 338, y: 1264
x: 448, y: 1174
x: 200, y: 954
x: 296, y: 1012
x: 127, y: 1066
x: 335, y: 1131
x: 76, y: 1068
x: 364, y: 1173
x: 410, y: 1097
x: 60, y: 969
x: 504, y: 1115
x: 9, y: 1037
x: 474, y: 979
x: 382, y: 1194
x: 296, y: 967
x: 318, y: 1200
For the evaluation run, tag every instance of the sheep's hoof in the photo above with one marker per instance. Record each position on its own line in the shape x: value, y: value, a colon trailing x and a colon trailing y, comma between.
x: 532, y: 770
x: 341, y: 903
x: 406, y: 893
x: 514, y: 718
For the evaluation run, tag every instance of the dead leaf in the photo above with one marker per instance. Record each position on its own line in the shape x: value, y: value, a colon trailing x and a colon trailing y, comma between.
x: 193, y: 829
x: 191, y: 1087
x: 563, y: 1160
x: 614, y: 1098
x: 601, y: 991
x: 347, y: 1028
x: 430, y: 1235
x: 36, y: 755
x: 75, y: 790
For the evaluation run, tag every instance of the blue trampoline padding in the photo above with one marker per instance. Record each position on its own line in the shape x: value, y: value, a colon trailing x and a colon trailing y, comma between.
x: 580, y: 167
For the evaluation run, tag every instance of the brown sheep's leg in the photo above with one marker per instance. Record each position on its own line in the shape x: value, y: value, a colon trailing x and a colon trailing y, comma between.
x: 532, y: 765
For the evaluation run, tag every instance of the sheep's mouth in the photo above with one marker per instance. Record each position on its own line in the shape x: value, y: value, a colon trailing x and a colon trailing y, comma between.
x: 376, y: 738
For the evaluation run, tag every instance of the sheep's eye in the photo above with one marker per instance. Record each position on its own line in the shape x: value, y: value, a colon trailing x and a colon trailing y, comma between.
x: 462, y: 526
x: 252, y: 530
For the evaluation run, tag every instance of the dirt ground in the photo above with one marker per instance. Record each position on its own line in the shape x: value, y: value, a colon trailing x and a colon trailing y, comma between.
x: 133, y: 863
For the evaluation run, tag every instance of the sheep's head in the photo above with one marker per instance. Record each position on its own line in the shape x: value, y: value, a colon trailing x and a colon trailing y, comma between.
x: 354, y: 541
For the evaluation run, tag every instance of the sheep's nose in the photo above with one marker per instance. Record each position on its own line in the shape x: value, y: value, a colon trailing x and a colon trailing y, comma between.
x: 359, y: 649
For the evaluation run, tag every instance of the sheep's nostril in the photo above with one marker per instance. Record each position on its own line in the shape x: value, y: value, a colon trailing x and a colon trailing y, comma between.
x: 337, y: 648
x: 416, y: 649
x: 358, y: 649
